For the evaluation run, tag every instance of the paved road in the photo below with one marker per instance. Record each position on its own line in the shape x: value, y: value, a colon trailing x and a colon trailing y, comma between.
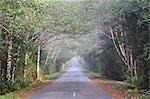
x: 72, y: 85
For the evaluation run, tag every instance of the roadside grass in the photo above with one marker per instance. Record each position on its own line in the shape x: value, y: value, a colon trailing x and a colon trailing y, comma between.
x: 34, y: 87
x: 92, y: 74
x: 10, y: 96
x: 52, y: 76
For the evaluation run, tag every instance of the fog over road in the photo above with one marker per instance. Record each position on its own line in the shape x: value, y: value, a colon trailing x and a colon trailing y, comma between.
x: 74, y: 84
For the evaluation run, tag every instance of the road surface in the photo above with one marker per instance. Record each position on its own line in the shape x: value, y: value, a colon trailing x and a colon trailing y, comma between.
x: 72, y: 85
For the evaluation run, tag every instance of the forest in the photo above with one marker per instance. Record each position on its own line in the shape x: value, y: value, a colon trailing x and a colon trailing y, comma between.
x: 38, y: 36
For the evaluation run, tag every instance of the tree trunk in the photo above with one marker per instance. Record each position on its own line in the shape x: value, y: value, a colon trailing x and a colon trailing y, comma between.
x: 25, y: 67
x: 131, y: 63
x: 116, y: 47
x: 13, y: 74
x: 9, y: 57
x: 4, y: 68
x: 47, y: 57
x: 1, y: 72
x: 56, y: 55
x: 53, y: 53
x: 38, y: 63
x: 135, y: 69
x: 127, y: 58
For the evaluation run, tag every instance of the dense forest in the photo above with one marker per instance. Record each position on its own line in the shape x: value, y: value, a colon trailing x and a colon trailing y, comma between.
x: 122, y: 51
x: 31, y: 38
x: 38, y: 36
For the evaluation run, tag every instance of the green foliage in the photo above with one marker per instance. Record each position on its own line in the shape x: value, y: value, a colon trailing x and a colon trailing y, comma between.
x: 129, y: 20
x: 4, y: 87
x: 31, y: 23
x: 9, y: 96
x: 133, y: 82
x: 8, y: 86
x: 52, y: 76
x: 22, y: 83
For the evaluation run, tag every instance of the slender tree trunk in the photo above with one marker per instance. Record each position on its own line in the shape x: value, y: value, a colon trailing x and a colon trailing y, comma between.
x: 121, y: 50
x: 38, y: 63
x: 56, y: 55
x: 131, y: 63
x: 14, y: 68
x: 9, y: 57
x: 4, y: 68
x: 25, y: 67
x: 47, y: 57
x: 53, y: 53
x: 135, y: 69
x: 1, y: 72
x: 13, y: 73
x: 116, y: 47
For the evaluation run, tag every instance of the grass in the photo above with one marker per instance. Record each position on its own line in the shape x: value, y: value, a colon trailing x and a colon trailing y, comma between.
x: 52, y: 76
x: 10, y: 96
x: 20, y: 94
x: 91, y: 74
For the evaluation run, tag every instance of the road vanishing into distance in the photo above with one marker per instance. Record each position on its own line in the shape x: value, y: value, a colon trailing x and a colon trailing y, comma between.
x: 74, y: 84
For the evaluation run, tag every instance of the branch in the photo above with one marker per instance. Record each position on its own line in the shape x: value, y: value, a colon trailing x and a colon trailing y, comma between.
x: 5, y: 29
x: 104, y: 33
x: 107, y: 36
x: 117, y: 49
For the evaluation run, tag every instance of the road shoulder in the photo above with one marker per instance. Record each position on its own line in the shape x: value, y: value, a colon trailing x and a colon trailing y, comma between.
x: 117, y: 89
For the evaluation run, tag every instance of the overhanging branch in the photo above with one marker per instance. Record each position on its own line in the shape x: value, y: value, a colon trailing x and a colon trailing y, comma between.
x: 5, y: 29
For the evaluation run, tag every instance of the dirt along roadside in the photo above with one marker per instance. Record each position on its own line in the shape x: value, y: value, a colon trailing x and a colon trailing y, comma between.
x: 117, y: 89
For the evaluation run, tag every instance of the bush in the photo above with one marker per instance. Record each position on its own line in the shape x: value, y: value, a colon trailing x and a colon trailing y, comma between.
x: 133, y: 82
x: 52, y: 76
x: 4, y: 87
x: 8, y: 86
x: 23, y: 83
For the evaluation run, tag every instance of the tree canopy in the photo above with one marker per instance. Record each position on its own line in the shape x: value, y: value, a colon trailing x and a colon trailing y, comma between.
x: 38, y: 36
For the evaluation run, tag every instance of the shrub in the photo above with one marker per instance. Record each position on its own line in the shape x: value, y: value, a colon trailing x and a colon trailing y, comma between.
x: 133, y: 82
x: 8, y: 86
x: 22, y: 83
x: 4, y: 87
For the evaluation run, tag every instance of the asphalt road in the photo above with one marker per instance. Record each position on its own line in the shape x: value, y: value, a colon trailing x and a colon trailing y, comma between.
x: 72, y: 85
